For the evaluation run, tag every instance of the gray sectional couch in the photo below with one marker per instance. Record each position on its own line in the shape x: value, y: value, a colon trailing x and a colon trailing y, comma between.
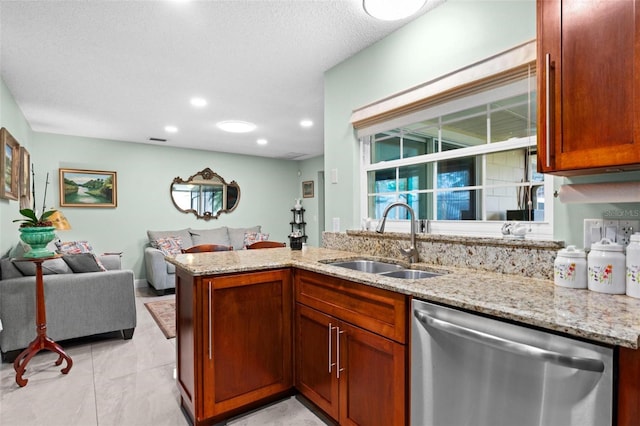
x: 161, y: 274
x: 77, y: 304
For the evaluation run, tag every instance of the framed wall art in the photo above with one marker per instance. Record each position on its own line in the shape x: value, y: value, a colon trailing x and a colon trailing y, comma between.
x: 10, y: 166
x: 88, y: 188
x: 25, y: 179
x: 307, y: 189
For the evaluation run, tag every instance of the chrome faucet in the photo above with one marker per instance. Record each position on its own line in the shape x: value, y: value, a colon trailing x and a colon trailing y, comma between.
x: 411, y: 252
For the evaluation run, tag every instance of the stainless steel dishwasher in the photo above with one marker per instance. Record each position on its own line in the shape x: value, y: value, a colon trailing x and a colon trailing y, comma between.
x: 469, y: 370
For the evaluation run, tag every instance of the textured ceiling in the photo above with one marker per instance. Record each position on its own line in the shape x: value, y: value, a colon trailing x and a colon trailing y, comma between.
x: 123, y: 70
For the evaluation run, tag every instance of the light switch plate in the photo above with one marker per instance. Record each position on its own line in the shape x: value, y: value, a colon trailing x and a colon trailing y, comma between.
x: 593, y: 231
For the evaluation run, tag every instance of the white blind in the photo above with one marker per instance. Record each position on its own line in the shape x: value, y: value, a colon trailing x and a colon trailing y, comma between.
x: 402, y: 108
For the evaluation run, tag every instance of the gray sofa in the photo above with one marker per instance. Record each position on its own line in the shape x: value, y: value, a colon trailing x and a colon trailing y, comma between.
x: 77, y: 304
x: 161, y: 274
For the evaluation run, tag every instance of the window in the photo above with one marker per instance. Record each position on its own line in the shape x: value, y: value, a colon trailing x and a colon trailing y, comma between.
x: 465, y: 160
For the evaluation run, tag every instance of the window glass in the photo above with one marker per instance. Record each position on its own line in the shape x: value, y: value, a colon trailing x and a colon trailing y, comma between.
x: 470, y: 158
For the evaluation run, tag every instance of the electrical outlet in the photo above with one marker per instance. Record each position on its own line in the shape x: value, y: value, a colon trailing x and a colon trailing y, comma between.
x: 626, y: 228
x: 610, y: 229
x: 593, y: 231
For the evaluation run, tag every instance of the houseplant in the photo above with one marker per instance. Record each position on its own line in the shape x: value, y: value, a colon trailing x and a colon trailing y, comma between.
x: 37, y: 232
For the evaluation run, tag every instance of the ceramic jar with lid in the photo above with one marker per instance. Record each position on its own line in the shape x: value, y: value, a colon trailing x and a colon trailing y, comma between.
x: 633, y: 266
x: 607, y: 267
x: 570, y: 268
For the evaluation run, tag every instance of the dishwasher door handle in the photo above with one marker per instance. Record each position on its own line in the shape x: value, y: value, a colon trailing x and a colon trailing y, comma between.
x: 588, y: 364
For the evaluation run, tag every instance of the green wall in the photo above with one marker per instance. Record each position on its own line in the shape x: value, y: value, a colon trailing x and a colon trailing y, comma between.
x: 11, y: 117
x: 144, y: 172
x: 309, y: 170
x: 451, y: 36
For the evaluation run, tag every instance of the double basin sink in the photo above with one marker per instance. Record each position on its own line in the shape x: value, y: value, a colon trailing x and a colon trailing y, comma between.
x: 386, y: 269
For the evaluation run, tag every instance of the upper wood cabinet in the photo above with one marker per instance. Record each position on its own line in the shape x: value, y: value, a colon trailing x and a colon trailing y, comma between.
x: 588, y: 92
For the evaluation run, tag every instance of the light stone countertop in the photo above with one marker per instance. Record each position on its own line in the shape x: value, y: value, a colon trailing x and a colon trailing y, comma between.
x: 609, y: 319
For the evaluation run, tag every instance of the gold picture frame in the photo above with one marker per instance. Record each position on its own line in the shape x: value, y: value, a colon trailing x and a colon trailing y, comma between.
x: 25, y: 179
x: 307, y: 189
x: 9, y: 166
x: 88, y: 188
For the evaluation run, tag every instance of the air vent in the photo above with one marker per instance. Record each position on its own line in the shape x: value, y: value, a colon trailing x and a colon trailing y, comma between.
x: 292, y: 155
x: 157, y: 139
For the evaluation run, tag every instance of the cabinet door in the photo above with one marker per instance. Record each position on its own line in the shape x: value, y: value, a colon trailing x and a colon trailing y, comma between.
x: 588, y: 91
x: 372, y: 378
x: 316, y: 358
x: 248, y: 356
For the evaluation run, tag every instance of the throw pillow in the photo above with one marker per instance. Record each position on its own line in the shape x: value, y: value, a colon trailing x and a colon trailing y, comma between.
x: 73, y: 247
x: 83, y: 262
x: 78, y: 247
x: 49, y: 267
x: 8, y: 269
x: 182, y: 233
x: 254, y: 237
x: 169, y: 246
x: 236, y: 235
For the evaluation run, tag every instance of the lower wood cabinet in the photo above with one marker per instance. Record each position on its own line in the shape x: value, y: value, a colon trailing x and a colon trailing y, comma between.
x: 355, y: 375
x: 234, y: 342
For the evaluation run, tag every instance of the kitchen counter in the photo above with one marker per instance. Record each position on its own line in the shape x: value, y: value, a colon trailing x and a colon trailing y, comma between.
x: 609, y: 319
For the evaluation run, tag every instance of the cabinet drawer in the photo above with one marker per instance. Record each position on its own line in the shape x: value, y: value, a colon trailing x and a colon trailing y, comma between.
x: 380, y: 311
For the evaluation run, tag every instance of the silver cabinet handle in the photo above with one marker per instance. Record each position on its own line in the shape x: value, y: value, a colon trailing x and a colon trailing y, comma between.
x: 338, y: 369
x: 588, y: 364
x: 548, y: 105
x: 210, y: 325
x: 331, y: 364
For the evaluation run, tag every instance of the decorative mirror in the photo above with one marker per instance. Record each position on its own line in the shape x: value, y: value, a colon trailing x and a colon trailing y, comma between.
x: 205, y: 194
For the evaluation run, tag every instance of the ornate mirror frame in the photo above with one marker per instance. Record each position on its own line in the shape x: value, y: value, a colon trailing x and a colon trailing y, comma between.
x: 228, y: 200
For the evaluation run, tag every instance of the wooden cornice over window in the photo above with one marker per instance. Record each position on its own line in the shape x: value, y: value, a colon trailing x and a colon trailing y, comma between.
x: 399, y: 109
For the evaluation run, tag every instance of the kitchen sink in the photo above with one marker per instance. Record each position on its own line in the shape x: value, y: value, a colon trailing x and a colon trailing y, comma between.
x: 372, y: 266
x: 410, y: 274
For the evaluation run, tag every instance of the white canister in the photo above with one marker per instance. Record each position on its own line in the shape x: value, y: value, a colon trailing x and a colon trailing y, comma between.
x: 633, y: 266
x: 570, y: 268
x: 607, y: 267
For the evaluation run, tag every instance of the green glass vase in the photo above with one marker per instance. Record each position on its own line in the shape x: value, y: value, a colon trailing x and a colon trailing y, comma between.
x: 38, y: 238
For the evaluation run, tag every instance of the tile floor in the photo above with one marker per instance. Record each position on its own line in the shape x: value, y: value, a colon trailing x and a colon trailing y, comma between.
x: 117, y: 382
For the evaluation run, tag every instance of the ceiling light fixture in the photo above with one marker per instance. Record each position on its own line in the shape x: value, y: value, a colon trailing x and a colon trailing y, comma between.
x: 387, y: 10
x: 306, y: 123
x: 262, y: 141
x: 198, y: 102
x: 170, y: 129
x: 236, y: 126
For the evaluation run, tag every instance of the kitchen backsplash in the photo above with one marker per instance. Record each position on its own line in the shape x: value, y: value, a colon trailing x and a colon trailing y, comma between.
x: 509, y: 256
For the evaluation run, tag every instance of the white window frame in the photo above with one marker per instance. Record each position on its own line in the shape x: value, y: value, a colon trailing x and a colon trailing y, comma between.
x: 380, y: 117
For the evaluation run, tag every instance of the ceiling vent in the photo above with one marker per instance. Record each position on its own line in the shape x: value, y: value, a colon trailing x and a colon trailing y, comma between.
x: 157, y: 139
x: 292, y: 155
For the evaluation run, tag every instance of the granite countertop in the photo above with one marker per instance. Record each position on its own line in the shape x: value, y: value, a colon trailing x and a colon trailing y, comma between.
x: 609, y: 319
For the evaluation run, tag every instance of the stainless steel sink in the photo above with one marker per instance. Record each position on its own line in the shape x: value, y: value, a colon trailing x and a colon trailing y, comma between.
x: 372, y: 266
x: 410, y: 274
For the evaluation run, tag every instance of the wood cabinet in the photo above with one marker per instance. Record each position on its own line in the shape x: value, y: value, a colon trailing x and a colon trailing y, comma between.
x: 588, y: 87
x: 234, y: 342
x: 351, y: 353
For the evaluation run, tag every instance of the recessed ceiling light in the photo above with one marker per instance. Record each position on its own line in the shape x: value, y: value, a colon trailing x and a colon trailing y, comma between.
x: 198, y: 102
x: 236, y: 126
x: 170, y: 129
x: 386, y: 10
x: 262, y: 141
x: 306, y: 123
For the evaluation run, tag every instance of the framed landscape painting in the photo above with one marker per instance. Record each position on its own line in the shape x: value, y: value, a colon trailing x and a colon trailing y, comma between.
x: 10, y: 165
x: 25, y: 179
x: 307, y: 189
x: 88, y: 188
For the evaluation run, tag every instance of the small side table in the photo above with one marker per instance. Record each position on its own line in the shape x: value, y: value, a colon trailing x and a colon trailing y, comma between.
x: 42, y: 341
